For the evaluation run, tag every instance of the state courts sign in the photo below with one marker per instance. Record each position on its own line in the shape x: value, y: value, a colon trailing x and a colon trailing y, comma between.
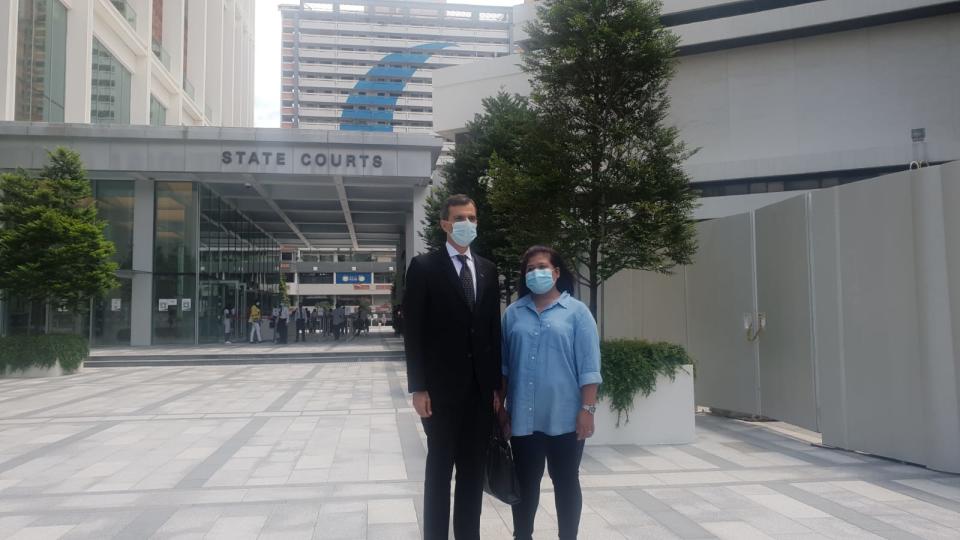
x: 347, y: 161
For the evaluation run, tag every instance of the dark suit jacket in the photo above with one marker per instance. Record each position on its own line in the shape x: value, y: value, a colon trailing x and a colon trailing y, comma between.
x: 448, y: 345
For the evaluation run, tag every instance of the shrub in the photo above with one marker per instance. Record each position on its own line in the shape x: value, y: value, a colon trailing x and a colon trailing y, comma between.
x: 19, y: 353
x: 631, y: 367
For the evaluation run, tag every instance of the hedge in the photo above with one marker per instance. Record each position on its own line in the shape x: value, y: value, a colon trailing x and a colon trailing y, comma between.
x: 631, y: 367
x: 19, y: 353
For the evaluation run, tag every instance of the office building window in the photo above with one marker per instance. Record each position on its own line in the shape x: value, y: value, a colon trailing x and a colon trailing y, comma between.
x: 310, y: 278
x: 41, y: 61
x: 158, y: 113
x: 110, y: 96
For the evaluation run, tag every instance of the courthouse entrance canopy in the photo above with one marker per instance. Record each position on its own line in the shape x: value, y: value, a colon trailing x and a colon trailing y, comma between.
x: 305, y: 188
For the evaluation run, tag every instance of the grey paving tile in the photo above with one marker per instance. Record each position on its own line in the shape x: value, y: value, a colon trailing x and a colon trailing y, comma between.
x: 204, y: 471
x: 333, y: 451
x: 665, y: 515
x: 857, y: 519
x: 147, y: 523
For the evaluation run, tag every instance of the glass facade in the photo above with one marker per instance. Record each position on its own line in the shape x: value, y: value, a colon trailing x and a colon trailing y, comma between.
x: 110, y: 96
x: 41, y: 61
x: 238, y: 266
x: 158, y: 113
x: 110, y: 319
x: 175, y: 263
x: 115, y: 205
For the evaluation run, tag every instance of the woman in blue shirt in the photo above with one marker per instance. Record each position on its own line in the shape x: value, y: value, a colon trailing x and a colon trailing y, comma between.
x: 551, y: 369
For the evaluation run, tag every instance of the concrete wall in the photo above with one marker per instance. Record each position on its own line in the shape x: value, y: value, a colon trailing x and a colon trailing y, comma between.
x: 830, y: 102
x: 860, y: 285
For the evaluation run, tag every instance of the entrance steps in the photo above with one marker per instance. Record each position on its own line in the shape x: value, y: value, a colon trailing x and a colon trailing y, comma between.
x: 223, y: 359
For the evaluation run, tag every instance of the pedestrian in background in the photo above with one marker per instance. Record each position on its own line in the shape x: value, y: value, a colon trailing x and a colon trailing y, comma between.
x: 254, y: 320
x: 282, y: 322
x: 227, y: 325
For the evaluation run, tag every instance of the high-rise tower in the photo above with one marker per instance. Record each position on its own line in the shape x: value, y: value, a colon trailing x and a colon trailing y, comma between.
x: 366, y: 65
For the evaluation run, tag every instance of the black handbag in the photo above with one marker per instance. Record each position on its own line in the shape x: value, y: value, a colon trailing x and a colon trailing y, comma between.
x: 499, y: 475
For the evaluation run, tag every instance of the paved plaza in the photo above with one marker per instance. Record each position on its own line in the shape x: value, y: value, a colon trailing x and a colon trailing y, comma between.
x: 333, y: 450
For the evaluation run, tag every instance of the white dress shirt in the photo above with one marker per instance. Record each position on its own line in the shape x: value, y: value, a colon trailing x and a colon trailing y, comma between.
x: 452, y: 251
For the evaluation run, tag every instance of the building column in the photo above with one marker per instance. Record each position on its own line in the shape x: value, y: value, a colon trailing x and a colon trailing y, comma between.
x: 79, y: 73
x: 213, y: 83
x: 141, y: 301
x: 8, y: 59
x: 196, y: 22
x: 413, y: 242
x: 229, y: 68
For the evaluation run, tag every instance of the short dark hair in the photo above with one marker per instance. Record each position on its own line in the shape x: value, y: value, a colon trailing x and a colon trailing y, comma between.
x: 455, y: 200
x: 564, y: 282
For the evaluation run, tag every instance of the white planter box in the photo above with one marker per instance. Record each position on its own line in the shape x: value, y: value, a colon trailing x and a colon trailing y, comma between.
x: 667, y: 416
x: 34, y: 372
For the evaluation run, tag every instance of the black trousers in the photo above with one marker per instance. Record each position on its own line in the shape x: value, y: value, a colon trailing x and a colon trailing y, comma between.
x: 301, y: 330
x: 562, y: 454
x: 456, y: 436
x: 282, y: 330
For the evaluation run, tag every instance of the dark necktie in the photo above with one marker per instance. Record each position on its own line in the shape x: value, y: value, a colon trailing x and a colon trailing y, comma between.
x: 466, y: 279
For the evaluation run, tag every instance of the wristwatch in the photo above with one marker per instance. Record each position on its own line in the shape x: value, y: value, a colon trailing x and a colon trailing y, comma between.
x: 592, y: 409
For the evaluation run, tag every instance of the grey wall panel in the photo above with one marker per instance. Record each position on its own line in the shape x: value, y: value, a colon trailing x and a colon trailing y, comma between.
x: 827, y: 317
x: 931, y: 197
x: 787, y: 387
x: 951, y: 205
x: 663, y: 310
x: 646, y: 305
x: 879, y: 320
x: 621, y: 295
x: 719, y: 292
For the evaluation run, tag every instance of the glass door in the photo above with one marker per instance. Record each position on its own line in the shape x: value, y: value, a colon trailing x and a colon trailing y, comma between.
x: 221, y: 310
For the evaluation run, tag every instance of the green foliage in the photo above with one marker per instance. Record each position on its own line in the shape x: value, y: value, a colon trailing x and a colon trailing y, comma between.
x: 52, y: 246
x: 631, y: 367
x: 284, y: 299
x: 616, y: 196
x: 503, y: 129
x: 19, y: 353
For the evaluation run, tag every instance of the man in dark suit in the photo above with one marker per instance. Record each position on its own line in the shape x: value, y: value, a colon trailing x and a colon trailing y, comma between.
x: 451, y: 311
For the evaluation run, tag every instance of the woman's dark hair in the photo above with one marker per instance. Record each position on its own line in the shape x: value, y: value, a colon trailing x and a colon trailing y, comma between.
x: 564, y: 282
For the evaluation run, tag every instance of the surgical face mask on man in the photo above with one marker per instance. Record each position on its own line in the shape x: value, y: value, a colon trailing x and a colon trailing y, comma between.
x: 464, y: 232
x: 540, y: 281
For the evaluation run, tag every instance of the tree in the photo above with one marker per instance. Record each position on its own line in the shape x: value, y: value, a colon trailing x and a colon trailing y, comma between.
x: 500, y: 130
x: 284, y: 299
x: 52, y: 244
x: 618, y: 197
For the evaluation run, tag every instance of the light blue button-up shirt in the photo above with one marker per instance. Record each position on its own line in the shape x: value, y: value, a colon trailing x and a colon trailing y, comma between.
x: 547, y: 358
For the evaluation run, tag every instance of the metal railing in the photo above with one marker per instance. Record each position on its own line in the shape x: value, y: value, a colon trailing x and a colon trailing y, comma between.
x: 127, y: 11
x: 161, y: 54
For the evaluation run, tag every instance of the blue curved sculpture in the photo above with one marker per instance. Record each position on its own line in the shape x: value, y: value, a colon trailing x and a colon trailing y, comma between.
x: 365, y: 120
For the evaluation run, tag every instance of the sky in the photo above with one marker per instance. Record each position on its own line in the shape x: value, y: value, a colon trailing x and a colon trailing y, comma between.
x: 267, y: 52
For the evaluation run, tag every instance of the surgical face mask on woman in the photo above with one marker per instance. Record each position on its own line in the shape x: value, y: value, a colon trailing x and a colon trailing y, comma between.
x: 540, y: 280
x: 464, y: 232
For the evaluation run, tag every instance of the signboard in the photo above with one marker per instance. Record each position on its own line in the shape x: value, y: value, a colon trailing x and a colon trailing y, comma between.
x: 354, y: 277
x: 361, y: 287
x: 115, y: 304
x: 165, y: 303
x: 187, y: 304
x: 384, y: 287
